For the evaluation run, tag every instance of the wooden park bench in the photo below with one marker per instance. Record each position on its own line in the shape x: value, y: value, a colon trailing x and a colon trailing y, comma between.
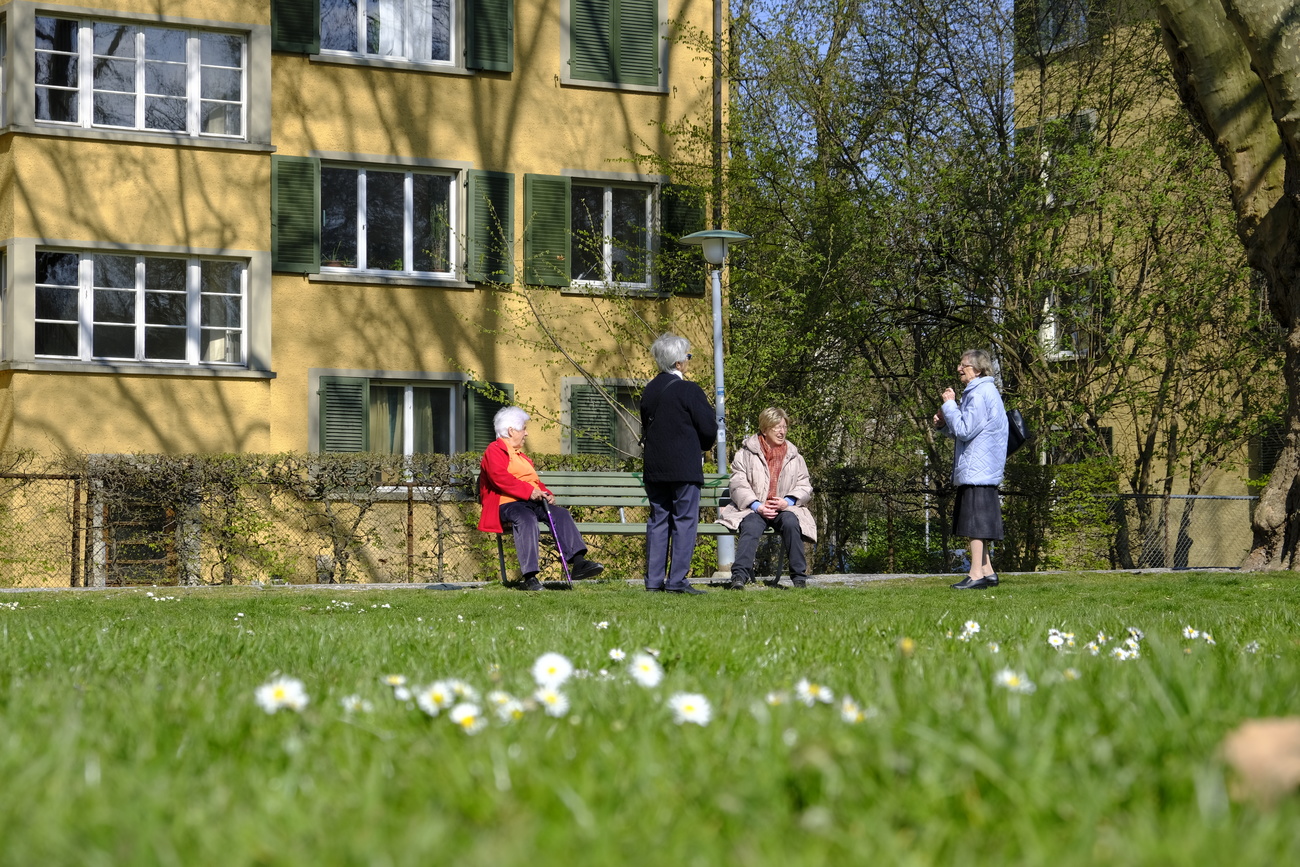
x: 579, y: 488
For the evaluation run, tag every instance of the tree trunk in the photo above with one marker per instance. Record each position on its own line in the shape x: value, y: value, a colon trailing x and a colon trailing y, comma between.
x: 1237, y: 68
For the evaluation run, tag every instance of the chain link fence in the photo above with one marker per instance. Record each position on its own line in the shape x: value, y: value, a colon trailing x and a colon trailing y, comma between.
x: 324, y: 519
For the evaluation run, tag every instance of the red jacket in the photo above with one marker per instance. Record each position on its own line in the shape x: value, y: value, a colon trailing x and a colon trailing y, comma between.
x: 494, y: 479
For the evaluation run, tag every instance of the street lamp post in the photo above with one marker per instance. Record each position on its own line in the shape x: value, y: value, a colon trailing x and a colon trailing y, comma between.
x: 714, y: 243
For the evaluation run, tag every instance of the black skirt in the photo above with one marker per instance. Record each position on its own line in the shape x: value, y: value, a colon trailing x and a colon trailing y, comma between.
x: 977, y: 512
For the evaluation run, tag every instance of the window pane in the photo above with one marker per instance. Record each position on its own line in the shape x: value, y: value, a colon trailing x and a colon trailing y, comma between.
x: 60, y: 70
x: 164, y: 79
x: 221, y: 118
x: 220, y: 310
x: 164, y: 308
x: 114, y: 109
x: 56, y: 302
x: 386, y: 403
x: 219, y: 276
x: 115, y: 272
x: 432, y: 222
x: 114, y: 306
x: 114, y: 40
x: 436, y: 15
x: 114, y: 341
x: 164, y: 343
x: 432, y: 434
x: 164, y: 43
x: 587, y: 253
x: 56, y: 34
x: 338, y: 25
x: 58, y: 105
x: 384, y: 27
x: 57, y: 268
x: 629, y: 231
x: 221, y: 49
x: 160, y: 274
x: 56, y: 339
x: 222, y: 84
x: 117, y: 75
x: 385, y: 220
x: 220, y: 344
x: 338, y: 195
x: 165, y: 113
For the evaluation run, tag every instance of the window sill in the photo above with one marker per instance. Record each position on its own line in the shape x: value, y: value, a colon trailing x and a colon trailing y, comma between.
x: 368, y: 279
x: 140, y: 137
x: 375, y: 62
x: 656, y: 89
x: 138, y: 369
x: 613, y: 290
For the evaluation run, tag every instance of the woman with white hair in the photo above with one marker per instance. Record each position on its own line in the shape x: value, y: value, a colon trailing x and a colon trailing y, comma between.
x: 677, y: 425
x: 513, y: 496
x: 979, y: 425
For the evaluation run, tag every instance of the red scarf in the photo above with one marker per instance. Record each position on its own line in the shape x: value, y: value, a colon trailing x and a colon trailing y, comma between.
x: 775, y: 456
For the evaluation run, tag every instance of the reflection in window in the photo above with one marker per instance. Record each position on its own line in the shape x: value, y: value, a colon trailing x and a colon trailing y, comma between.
x: 139, y: 308
x: 112, y: 74
x: 610, y: 232
x: 381, y: 220
x: 407, y: 29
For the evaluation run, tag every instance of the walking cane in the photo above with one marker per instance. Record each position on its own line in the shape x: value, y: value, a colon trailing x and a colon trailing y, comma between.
x: 556, y: 536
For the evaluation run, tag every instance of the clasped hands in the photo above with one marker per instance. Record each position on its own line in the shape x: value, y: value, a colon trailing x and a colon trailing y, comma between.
x: 539, y: 494
x: 772, y: 505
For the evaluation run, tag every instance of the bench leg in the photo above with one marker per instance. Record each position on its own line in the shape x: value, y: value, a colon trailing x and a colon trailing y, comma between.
x: 501, y: 557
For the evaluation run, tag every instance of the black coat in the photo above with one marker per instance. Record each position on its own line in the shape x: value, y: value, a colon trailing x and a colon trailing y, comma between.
x: 677, y: 424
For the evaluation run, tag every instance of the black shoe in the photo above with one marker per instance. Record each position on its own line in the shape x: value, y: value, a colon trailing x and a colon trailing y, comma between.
x: 530, y: 583
x: 687, y: 589
x: 736, y: 584
x: 654, y: 590
x: 584, y: 569
x: 799, y: 581
x: 970, y: 583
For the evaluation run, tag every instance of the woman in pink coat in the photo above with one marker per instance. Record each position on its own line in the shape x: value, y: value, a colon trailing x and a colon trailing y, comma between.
x: 770, y: 487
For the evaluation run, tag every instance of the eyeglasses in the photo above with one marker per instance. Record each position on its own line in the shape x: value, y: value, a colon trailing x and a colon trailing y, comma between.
x: 965, y: 367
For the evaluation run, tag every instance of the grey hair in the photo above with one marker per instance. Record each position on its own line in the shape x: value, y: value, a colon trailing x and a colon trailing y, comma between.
x: 980, y: 360
x: 509, y: 417
x: 669, y: 349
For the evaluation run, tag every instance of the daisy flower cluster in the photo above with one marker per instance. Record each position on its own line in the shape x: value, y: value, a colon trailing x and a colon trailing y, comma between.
x: 1191, y: 634
x: 968, y: 630
x: 150, y: 595
x: 1058, y: 639
x: 12, y: 606
x: 810, y: 694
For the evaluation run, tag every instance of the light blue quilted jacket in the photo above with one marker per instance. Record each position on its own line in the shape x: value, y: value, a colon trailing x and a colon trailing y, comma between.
x: 979, y: 425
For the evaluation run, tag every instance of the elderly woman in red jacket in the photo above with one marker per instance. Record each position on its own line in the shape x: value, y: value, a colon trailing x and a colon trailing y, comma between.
x: 513, y: 496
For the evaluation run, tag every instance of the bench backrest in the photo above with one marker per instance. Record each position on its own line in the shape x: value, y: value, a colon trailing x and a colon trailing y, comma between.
x: 579, y: 488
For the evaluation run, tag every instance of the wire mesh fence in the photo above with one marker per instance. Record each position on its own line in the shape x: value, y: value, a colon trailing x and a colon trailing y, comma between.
x: 350, y: 525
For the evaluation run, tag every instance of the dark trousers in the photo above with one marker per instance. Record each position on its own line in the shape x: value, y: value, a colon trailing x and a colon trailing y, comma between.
x: 674, y: 519
x: 524, y: 519
x: 752, y: 527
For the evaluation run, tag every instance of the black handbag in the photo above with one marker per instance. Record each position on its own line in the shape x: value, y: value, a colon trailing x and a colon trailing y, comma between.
x: 1017, y: 431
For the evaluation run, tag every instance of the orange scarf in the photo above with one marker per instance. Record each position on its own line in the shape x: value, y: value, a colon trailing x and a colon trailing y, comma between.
x: 775, y: 456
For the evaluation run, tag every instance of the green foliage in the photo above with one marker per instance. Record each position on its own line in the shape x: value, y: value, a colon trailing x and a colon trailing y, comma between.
x: 133, y: 736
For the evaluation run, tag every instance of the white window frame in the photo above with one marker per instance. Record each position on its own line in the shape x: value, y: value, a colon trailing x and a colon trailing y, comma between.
x: 408, y: 222
x: 607, y: 232
x: 194, y: 296
x: 455, y: 45
x: 453, y: 390
x: 85, y: 88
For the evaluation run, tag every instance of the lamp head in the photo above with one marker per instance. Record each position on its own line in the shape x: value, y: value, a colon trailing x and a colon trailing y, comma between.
x: 714, y: 242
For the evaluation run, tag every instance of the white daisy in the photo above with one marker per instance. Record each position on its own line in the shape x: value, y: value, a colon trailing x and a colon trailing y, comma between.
x: 690, y: 707
x: 1252, y: 647
x: 552, y: 701
x: 777, y: 698
x: 810, y: 693
x: 994, y: 647
x: 850, y: 712
x: 435, y: 698
x: 402, y: 693
x: 468, y: 717
x: 1190, y: 633
x: 1209, y: 639
x: 1136, y: 633
x: 462, y: 690
x: 616, y: 654
x: 498, y: 698
x: 1093, y: 647
x: 972, y: 627
x: 1071, y: 674
x: 1014, y: 681
x: 282, y: 692
x: 1056, y: 640
x: 552, y: 669
x: 356, y: 704
x: 511, y: 711
x: 604, y: 624
x: 395, y: 680
x: 1102, y: 638
x: 646, y: 671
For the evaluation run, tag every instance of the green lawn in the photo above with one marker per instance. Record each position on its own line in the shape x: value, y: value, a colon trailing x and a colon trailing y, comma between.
x: 130, y: 731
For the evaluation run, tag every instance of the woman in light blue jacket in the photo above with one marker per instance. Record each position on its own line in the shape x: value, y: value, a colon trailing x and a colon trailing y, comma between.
x: 979, y: 425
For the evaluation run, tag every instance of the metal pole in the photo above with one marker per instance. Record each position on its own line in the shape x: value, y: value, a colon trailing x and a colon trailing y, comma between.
x: 726, y: 542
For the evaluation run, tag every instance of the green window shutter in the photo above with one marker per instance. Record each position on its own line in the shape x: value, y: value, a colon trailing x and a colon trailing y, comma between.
x: 490, y: 35
x: 491, y: 221
x: 636, y: 40
x: 591, y: 49
x: 547, y: 230
x: 295, y: 26
x: 480, y: 407
x: 681, y: 269
x: 592, y: 421
x: 344, y: 414
x: 295, y: 214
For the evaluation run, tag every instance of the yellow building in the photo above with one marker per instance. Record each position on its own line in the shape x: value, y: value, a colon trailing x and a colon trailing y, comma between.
x: 300, y: 225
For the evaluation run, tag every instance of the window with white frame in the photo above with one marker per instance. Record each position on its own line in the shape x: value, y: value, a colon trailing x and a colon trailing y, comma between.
x: 420, y: 30
x: 610, y: 240
x: 406, y: 417
x: 1062, y: 24
x: 1071, y: 325
x: 118, y: 75
x: 379, y: 219
x: 410, y: 418
x: 139, y: 308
